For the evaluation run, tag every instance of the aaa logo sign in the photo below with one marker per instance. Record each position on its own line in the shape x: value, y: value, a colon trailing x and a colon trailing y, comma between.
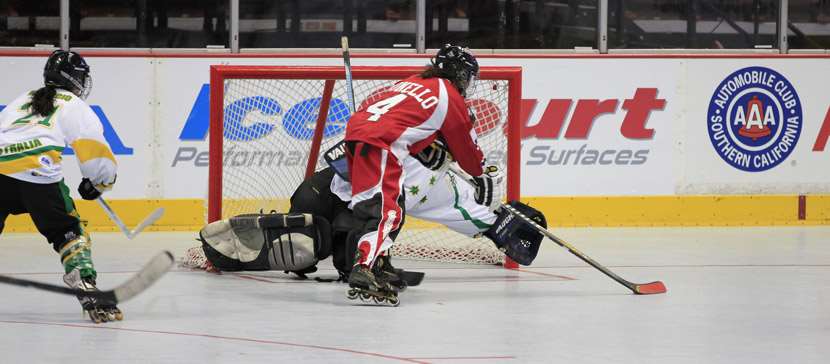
x: 754, y: 119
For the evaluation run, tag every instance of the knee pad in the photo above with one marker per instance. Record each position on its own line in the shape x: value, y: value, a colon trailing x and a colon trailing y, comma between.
x: 287, y: 242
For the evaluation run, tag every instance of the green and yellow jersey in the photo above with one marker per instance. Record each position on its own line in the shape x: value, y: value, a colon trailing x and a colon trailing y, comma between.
x: 31, y: 144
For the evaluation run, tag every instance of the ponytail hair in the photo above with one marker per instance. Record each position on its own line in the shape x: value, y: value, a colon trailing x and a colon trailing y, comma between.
x: 433, y: 71
x: 43, y: 101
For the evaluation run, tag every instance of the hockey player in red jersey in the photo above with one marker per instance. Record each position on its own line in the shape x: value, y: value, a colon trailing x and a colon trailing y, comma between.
x: 408, y: 117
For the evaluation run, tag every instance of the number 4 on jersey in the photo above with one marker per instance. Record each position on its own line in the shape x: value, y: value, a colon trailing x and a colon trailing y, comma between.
x: 382, y: 107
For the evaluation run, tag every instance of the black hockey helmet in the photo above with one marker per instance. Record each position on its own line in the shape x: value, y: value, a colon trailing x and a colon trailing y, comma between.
x: 457, y: 64
x: 69, y: 71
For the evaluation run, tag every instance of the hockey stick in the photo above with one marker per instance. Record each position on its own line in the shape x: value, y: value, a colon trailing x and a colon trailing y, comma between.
x: 149, y: 220
x: 347, y: 64
x: 138, y: 283
x: 644, y: 288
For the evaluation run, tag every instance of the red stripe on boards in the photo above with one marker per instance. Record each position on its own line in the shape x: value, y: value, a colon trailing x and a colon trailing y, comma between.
x: 802, y: 207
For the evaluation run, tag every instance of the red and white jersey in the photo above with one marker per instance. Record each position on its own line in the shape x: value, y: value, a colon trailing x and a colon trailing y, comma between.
x: 408, y: 116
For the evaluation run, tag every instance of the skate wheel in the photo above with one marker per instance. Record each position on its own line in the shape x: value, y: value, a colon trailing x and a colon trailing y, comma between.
x: 119, y: 316
x: 351, y: 294
x: 95, y: 318
x: 394, y: 301
x: 365, y: 296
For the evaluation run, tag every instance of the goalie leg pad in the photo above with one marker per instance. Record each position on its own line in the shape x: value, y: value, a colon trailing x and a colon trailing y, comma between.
x: 515, y: 237
x: 287, y: 242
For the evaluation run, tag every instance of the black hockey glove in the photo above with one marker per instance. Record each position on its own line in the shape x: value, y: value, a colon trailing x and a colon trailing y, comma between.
x: 516, y: 237
x: 486, y: 185
x: 88, y: 190
x: 433, y: 156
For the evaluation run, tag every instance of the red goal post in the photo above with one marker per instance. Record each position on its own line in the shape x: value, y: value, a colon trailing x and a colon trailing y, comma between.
x: 321, y: 83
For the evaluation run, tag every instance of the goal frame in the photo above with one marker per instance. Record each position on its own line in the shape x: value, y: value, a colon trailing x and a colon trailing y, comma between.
x: 220, y: 73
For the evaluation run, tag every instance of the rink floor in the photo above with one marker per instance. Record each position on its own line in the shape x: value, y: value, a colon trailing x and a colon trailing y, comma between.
x: 737, y: 295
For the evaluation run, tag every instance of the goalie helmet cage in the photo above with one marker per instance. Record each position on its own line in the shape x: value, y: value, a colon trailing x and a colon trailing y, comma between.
x: 268, y: 125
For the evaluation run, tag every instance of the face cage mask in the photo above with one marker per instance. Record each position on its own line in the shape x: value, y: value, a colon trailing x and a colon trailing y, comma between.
x: 471, y: 86
x: 84, y: 91
x: 79, y: 90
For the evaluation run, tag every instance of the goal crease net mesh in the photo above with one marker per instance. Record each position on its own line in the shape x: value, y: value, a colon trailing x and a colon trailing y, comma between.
x: 268, y: 124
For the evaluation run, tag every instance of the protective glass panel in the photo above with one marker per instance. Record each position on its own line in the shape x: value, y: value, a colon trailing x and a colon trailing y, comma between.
x: 148, y: 23
x: 638, y: 24
x: 26, y: 23
x: 809, y: 25
x: 320, y: 24
x: 505, y: 24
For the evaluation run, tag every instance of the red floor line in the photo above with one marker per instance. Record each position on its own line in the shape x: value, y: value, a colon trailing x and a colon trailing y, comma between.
x: 57, y: 271
x: 438, y: 280
x: 466, y: 358
x: 693, y: 266
x: 545, y: 274
x: 434, y: 281
x: 521, y: 270
x: 245, y: 276
x: 231, y: 338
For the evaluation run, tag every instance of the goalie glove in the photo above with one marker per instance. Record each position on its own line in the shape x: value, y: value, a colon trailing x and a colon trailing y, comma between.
x: 433, y: 156
x: 516, y: 237
x: 489, y: 191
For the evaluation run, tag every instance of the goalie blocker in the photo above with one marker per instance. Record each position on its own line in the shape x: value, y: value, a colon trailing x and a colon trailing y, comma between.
x: 515, y: 237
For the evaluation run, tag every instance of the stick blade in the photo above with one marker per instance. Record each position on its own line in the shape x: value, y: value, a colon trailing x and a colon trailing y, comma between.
x: 148, y: 275
x: 150, y: 220
x: 650, y: 288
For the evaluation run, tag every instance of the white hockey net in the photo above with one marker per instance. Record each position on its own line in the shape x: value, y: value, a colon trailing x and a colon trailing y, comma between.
x: 268, y: 127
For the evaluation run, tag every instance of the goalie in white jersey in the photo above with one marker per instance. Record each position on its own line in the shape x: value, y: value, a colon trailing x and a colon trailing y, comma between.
x: 433, y: 193
x: 35, y: 128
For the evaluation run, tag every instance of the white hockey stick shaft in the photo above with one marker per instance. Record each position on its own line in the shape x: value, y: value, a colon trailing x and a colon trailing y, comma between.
x: 108, y: 210
x: 138, y: 283
x: 344, y: 43
x: 149, y: 220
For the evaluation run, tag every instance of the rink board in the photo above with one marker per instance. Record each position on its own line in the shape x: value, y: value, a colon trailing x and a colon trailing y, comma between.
x: 609, y: 140
x: 734, y: 210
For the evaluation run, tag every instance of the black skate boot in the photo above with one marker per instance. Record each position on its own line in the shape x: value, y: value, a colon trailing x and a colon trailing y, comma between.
x: 399, y: 278
x: 384, y: 270
x: 98, y: 313
x: 369, y: 288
